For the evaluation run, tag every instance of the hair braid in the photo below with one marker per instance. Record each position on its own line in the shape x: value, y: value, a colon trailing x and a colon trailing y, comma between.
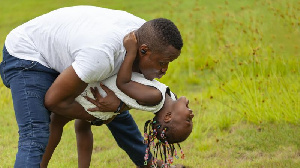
x: 159, y: 144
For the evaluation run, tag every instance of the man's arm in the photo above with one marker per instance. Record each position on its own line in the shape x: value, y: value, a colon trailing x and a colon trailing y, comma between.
x: 60, y: 98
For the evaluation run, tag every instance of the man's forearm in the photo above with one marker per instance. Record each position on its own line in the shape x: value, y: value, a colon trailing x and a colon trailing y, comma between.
x: 60, y: 97
x: 70, y: 110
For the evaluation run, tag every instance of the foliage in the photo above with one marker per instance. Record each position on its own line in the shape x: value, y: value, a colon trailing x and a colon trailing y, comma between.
x: 239, y: 67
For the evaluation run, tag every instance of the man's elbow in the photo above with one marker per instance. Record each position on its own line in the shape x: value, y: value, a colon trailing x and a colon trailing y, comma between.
x: 53, y: 105
x: 49, y: 103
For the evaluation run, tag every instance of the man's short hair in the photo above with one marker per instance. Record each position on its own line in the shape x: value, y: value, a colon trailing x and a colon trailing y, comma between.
x: 158, y: 34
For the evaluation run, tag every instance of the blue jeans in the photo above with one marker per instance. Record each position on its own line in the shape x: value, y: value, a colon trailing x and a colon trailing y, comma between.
x: 29, y: 82
x: 128, y: 137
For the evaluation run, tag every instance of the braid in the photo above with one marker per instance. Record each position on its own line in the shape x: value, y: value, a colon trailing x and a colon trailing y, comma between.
x: 159, y: 144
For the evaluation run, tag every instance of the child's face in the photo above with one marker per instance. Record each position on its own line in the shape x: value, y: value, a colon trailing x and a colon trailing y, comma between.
x: 154, y: 65
x: 182, y: 117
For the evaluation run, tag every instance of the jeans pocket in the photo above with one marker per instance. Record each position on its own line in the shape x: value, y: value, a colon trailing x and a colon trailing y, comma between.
x: 25, y: 64
x: 2, y: 65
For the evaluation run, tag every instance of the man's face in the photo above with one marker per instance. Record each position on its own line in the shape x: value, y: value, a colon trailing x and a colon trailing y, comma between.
x: 155, y: 65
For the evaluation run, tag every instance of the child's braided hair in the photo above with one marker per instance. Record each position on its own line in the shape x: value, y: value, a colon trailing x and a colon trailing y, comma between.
x: 156, y: 139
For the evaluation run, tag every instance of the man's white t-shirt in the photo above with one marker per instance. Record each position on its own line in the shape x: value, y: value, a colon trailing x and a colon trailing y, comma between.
x: 88, y: 38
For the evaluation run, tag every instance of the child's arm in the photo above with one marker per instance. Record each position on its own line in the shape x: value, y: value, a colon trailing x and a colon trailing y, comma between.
x: 144, y: 95
x: 56, y: 128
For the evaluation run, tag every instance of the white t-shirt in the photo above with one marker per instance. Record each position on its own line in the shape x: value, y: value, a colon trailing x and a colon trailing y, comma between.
x: 111, y: 84
x: 88, y: 38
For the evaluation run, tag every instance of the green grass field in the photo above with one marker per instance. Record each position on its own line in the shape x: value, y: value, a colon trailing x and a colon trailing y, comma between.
x: 239, y: 67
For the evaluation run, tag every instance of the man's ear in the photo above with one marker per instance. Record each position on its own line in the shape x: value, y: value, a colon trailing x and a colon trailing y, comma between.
x: 168, y: 117
x: 143, y: 49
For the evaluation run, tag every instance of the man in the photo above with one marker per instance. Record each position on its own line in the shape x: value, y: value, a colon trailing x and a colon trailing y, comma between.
x: 49, y: 61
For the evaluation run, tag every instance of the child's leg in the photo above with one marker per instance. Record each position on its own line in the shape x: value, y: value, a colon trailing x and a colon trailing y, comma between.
x: 84, y: 137
x: 56, y: 129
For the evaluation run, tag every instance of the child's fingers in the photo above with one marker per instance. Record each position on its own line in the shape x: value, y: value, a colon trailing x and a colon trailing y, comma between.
x: 132, y: 35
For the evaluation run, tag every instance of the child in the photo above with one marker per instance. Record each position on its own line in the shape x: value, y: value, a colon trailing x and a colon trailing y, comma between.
x: 173, y: 123
x: 173, y: 119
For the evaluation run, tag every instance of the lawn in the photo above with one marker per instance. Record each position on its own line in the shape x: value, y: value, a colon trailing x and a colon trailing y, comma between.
x: 239, y: 67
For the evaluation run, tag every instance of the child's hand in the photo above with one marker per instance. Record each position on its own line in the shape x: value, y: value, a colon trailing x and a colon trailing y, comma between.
x: 130, y: 44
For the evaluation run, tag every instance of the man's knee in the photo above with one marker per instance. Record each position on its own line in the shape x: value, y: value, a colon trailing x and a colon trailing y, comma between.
x: 34, y: 137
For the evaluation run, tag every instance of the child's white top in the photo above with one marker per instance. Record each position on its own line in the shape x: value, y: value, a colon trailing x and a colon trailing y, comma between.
x: 132, y: 103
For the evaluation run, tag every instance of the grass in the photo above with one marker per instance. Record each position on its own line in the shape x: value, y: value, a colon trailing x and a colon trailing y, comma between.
x: 239, y: 67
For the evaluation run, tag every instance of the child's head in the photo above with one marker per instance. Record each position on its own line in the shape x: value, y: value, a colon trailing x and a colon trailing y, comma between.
x: 176, y: 117
x: 172, y: 124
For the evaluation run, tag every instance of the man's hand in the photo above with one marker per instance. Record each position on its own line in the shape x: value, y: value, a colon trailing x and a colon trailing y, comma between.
x: 130, y: 44
x: 108, y: 103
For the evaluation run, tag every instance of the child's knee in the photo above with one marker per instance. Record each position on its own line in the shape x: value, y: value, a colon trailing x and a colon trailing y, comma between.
x: 59, y: 120
x: 82, y: 126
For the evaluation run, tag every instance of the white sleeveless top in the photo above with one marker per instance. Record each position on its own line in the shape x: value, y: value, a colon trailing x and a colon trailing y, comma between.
x: 132, y: 103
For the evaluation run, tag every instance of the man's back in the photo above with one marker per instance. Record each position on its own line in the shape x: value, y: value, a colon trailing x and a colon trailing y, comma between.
x: 55, y: 39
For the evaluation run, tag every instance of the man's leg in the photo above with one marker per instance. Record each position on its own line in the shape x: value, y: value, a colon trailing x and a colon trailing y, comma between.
x: 29, y: 82
x: 32, y: 118
x: 128, y: 137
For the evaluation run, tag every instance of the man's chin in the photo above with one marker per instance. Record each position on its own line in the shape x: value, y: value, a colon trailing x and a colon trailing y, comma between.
x: 160, y: 76
x: 149, y: 78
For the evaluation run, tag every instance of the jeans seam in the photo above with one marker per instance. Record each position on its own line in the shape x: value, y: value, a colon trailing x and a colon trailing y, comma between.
x: 23, y: 67
x: 29, y: 113
x: 31, y: 66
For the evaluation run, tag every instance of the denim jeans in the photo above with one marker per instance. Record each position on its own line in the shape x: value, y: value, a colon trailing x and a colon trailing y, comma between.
x: 29, y: 82
x: 128, y: 137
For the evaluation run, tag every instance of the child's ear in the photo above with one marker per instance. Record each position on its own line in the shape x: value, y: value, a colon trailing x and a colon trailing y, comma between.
x: 168, y: 117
